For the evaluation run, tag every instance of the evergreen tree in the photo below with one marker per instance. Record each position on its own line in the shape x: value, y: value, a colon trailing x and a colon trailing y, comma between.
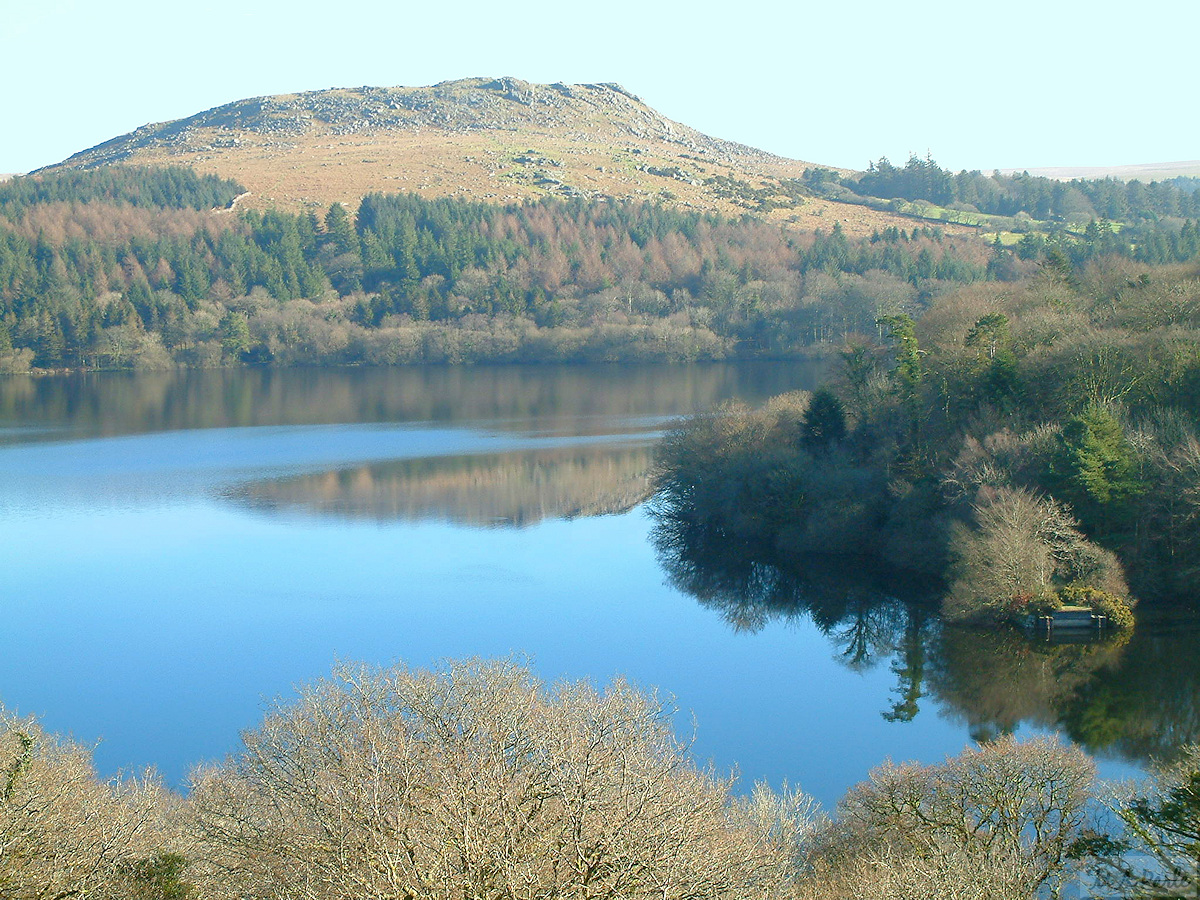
x: 824, y: 421
x: 339, y: 230
x: 1096, y: 467
x: 235, y: 333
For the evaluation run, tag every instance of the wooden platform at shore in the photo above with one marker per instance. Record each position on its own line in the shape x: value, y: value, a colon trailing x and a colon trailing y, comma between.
x: 1069, y: 618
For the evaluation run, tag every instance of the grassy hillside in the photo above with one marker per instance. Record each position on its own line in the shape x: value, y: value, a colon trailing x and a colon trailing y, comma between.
x: 497, y: 140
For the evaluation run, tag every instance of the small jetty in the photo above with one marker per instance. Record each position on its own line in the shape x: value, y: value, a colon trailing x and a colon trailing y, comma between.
x: 1071, y: 620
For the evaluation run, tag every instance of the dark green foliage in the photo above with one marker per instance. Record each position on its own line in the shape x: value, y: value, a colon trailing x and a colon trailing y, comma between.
x: 159, y: 877
x: 339, y: 229
x: 173, y: 188
x: 908, y: 372
x: 1096, y: 467
x: 824, y: 421
x: 235, y: 333
x: 21, y: 762
x: 920, y: 179
x: 1039, y: 197
x: 998, y: 381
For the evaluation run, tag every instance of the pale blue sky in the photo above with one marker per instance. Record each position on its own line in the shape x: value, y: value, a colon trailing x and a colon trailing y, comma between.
x: 1016, y: 84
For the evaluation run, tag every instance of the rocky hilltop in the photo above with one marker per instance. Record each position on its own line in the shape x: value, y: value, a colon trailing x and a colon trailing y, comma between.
x: 580, y: 112
x: 500, y: 140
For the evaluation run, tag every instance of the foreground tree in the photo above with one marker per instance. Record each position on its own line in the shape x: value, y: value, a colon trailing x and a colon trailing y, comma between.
x: 1155, y: 851
x: 997, y: 821
x: 477, y: 781
x: 64, y: 833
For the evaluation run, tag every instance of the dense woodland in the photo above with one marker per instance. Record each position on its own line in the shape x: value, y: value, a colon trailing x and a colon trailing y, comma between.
x: 1078, y: 200
x: 1028, y: 444
x: 109, y: 279
x: 151, y: 268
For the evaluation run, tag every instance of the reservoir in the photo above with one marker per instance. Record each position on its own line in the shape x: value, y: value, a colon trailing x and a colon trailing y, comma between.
x: 178, y: 549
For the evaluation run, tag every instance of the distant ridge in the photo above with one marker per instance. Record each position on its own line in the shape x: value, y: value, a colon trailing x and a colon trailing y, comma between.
x: 1140, y: 171
x: 491, y: 139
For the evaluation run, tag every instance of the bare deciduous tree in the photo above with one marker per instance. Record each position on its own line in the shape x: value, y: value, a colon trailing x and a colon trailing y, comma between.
x: 1022, y: 544
x: 476, y: 781
x: 1005, y: 808
x: 885, y: 873
x: 63, y: 832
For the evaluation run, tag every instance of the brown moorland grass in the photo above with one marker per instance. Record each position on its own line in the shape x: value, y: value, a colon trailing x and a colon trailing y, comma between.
x: 500, y: 140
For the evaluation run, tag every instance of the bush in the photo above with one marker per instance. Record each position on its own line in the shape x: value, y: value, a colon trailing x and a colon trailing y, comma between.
x: 1118, y: 611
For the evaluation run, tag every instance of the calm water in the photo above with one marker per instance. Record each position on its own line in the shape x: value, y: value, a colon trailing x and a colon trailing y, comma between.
x: 177, y: 549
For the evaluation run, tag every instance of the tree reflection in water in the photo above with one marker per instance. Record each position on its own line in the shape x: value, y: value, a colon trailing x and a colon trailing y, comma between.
x: 1132, y: 698
x: 869, y: 615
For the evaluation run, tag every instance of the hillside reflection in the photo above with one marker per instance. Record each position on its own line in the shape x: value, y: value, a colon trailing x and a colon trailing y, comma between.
x: 562, y: 399
x: 1133, y: 699
x: 504, y: 489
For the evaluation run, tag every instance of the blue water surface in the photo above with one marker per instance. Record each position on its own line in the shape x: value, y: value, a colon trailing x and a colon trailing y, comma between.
x: 161, y: 584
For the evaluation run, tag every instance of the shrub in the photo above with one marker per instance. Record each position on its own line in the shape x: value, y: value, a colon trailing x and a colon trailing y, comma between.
x: 1118, y: 611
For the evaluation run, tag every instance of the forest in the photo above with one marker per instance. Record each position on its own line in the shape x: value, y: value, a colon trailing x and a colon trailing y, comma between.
x: 1027, y: 444
x: 124, y: 267
x: 1077, y: 200
x: 110, y: 280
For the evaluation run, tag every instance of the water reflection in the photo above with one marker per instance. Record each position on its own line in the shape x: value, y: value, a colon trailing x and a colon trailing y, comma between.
x: 1132, y: 698
x: 502, y: 489
x: 996, y: 681
x: 558, y: 398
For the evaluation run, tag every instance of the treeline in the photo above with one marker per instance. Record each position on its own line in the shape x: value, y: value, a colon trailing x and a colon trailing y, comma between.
x: 106, y: 281
x: 1099, y: 238
x: 480, y: 781
x: 1029, y: 445
x: 1078, y: 200
x: 173, y: 188
x: 116, y: 268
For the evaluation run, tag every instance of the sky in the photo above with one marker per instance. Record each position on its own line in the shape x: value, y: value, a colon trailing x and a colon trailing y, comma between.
x: 1021, y: 84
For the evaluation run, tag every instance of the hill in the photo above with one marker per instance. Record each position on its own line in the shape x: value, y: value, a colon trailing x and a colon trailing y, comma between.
x: 1141, y: 171
x: 502, y: 221
x: 497, y: 140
